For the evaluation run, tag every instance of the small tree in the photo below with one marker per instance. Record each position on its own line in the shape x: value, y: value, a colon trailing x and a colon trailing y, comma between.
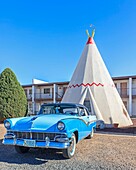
x: 13, y: 102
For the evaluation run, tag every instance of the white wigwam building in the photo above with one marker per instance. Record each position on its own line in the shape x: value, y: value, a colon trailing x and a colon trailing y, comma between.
x: 40, y: 92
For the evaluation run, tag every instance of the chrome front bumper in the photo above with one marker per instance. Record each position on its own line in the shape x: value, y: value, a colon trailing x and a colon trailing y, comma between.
x: 59, y: 143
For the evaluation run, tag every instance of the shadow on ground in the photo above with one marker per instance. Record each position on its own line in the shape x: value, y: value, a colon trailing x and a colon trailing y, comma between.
x: 130, y: 130
x: 33, y: 157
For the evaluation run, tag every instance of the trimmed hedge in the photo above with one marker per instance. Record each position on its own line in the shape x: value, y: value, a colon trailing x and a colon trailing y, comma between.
x: 13, y: 102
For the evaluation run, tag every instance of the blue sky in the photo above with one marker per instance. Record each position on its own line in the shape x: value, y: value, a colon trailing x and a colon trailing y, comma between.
x: 44, y: 39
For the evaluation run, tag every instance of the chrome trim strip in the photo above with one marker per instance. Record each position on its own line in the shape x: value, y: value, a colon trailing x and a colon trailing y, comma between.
x: 39, y: 136
x: 30, y: 135
x: 64, y: 145
x: 35, y: 132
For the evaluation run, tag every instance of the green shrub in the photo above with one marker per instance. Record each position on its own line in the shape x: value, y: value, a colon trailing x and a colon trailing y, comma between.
x: 13, y: 102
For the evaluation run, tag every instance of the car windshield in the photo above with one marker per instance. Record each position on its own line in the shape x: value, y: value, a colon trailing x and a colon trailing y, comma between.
x: 59, y: 109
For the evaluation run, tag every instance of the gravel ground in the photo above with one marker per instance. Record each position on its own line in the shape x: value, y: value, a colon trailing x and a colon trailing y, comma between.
x: 101, y: 152
x: 125, y: 130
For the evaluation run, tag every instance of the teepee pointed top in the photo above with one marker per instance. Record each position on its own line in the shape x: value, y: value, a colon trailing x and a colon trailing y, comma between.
x: 90, y: 38
x: 90, y: 41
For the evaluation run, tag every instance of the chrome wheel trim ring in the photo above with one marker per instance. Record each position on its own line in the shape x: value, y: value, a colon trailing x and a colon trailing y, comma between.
x: 72, y: 146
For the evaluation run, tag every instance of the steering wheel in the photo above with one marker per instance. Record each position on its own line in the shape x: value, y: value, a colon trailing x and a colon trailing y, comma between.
x: 69, y: 112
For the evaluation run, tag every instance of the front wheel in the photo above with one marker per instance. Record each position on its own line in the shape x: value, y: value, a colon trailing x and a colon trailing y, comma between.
x: 21, y: 149
x: 69, y: 152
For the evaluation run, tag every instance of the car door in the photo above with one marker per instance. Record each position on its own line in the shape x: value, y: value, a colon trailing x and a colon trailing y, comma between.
x: 85, y: 122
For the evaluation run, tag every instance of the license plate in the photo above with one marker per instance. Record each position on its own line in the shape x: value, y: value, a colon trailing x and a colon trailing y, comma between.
x: 29, y: 143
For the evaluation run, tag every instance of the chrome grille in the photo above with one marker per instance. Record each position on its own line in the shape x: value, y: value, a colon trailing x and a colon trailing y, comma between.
x: 33, y: 135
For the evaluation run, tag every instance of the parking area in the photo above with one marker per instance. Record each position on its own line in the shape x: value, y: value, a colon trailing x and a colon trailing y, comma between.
x: 103, y: 151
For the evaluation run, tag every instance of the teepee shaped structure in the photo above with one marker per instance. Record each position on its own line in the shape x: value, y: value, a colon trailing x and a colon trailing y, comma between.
x: 92, y: 79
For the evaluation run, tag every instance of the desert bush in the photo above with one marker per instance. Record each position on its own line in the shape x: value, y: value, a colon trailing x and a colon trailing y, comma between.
x: 13, y: 102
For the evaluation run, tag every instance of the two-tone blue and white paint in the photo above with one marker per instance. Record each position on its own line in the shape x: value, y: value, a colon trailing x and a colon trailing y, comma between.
x: 50, y: 130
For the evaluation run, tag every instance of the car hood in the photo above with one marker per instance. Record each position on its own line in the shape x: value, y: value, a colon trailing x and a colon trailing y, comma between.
x: 40, y: 122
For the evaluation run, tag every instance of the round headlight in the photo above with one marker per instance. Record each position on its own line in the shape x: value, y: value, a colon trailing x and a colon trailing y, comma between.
x: 61, y: 125
x: 7, y: 124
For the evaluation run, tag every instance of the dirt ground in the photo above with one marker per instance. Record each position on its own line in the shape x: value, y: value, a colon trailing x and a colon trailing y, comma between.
x: 103, y: 151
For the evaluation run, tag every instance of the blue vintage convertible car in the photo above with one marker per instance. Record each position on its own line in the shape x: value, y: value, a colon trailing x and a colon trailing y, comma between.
x: 59, y: 125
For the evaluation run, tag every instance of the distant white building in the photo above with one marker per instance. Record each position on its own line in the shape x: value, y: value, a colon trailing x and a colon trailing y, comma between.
x: 40, y: 92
